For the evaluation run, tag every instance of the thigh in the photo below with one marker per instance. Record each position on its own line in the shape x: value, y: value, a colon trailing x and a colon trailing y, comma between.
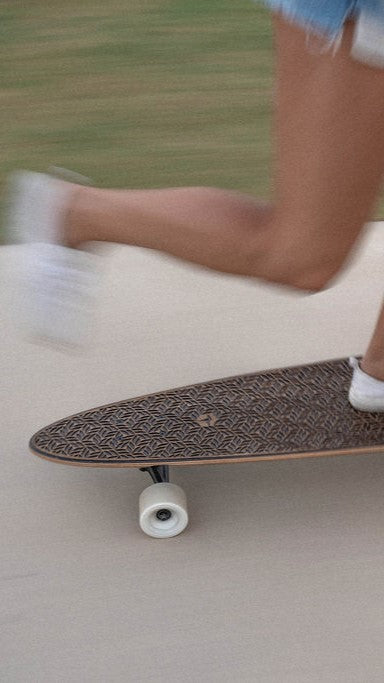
x: 329, y: 164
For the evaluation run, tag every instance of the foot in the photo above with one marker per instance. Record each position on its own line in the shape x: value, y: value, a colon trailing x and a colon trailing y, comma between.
x: 366, y: 392
x: 57, y: 282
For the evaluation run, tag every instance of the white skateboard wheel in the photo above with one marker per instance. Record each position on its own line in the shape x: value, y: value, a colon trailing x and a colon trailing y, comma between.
x: 163, y: 510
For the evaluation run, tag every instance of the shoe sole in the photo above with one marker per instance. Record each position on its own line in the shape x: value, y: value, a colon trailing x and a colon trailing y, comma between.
x: 369, y: 405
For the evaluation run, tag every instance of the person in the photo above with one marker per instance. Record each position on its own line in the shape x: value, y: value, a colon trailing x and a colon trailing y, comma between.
x: 328, y: 172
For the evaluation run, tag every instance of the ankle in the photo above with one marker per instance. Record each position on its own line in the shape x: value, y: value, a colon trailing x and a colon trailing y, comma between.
x: 374, y: 367
x: 73, y: 233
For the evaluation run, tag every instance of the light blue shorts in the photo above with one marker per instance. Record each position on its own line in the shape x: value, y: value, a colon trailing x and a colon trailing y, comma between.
x: 325, y: 19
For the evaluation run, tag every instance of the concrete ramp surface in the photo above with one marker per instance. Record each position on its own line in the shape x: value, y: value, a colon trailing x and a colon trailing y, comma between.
x: 279, y: 575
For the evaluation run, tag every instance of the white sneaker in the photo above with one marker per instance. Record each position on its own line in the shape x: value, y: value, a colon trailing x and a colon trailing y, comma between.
x: 365, y: 393
x: 58, y: 284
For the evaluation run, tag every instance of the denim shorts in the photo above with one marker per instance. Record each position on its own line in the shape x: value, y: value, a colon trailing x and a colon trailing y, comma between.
x: 323, y: 21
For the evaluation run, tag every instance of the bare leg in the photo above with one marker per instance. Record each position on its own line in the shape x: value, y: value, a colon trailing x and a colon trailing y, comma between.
x: 207, y: 226
x: 329, y: 166
x: 373, y: 361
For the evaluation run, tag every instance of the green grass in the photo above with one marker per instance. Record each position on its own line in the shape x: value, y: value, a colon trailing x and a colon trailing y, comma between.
x: 138, y: 93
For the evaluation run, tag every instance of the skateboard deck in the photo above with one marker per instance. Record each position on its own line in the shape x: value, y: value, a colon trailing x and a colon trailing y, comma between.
x: 292, y: 412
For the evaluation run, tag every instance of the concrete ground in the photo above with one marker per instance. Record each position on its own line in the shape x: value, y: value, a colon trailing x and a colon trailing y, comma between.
x: 279, y: 576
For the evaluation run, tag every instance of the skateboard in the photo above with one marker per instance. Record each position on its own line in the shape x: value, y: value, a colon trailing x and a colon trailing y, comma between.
x: 292, y: 412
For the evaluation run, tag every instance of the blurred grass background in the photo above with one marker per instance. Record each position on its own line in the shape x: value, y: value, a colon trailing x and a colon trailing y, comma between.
x: 139, y: 93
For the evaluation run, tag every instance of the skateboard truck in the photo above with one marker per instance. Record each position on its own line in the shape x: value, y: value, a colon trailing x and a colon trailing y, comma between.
x: 159, y: 474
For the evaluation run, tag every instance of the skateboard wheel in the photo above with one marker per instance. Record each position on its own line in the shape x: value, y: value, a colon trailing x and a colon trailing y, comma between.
x: 163, y: 510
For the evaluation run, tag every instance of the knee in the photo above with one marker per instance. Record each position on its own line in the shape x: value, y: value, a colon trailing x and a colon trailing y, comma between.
x: 309, y: 268
x: 306, y: 278
x: 310, y: 274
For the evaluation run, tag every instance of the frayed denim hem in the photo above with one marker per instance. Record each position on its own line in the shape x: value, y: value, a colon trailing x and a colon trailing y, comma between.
x: 323, y: 21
